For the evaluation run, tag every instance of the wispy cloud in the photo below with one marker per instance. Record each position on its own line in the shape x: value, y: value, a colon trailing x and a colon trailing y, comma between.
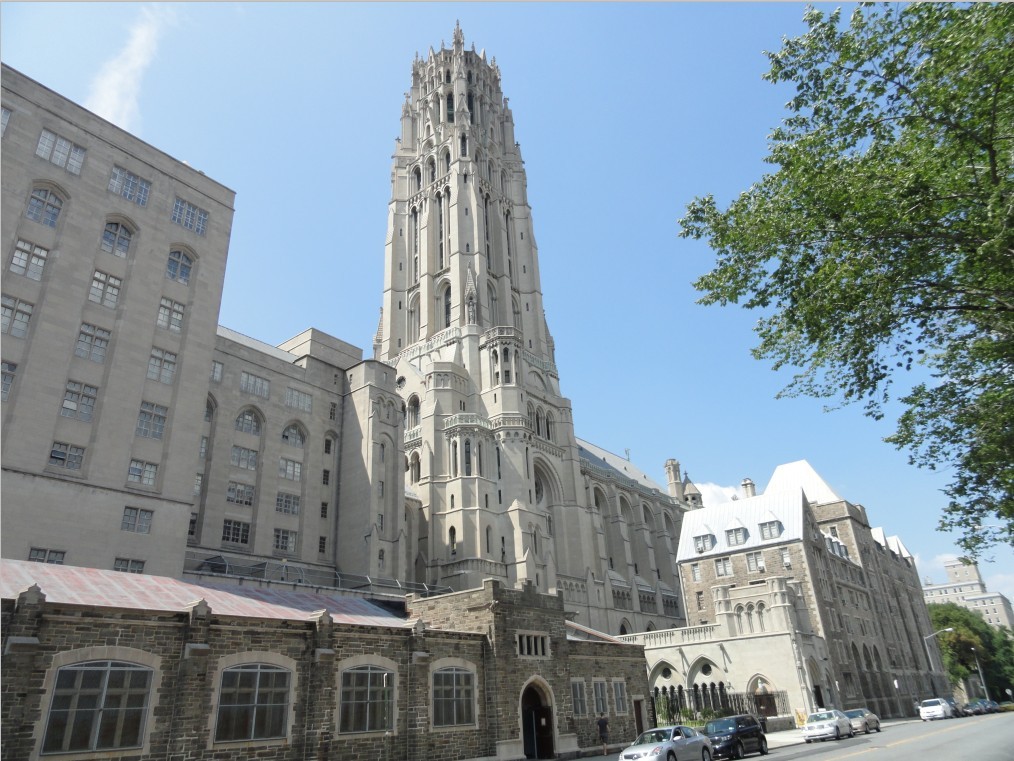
x: 715, y: 494
x: 116, y: 89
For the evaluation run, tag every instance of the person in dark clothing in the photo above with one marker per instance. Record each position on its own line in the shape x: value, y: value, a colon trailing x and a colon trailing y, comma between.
x: 603, y: 724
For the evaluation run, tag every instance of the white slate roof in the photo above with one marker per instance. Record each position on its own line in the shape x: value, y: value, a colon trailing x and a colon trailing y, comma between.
x: 801, y: 475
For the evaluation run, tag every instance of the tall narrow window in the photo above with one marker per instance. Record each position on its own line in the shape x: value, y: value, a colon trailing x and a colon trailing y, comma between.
x: 367, y: 699
x: 178, y: 267
x: 116, y: 239
x: 253, y: 703
x: 447, y: 307
x: 485, y: 229
x: 440, y: 232
x: 450, y: 108
x: 453, y: 697
x: 468, y: 457
x: 415, y: 245
x: 507, y: 241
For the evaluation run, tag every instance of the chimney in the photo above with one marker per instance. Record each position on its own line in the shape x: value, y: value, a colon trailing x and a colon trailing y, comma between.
x: 749, y: 489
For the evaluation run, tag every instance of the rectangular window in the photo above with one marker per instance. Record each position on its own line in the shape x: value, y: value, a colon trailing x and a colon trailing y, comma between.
x: 162, y: 366
x: 786, y: 558
x: 9, y: 371
x: 620, y: 696
x: 151, y: 420
x: 140, y: 472
x: 704, y: 542
x: 289, y: 469
x: 735, y: 536
x: 579, y: 698
x: 43, y: 555
x: 380, y: 488
x: 130, y: 186
x: 754, y: 562
x: 253, y: 703
x: 78, y: 401
x: 236, y: 532
x: 170, y: 315
x: 321, y: 544
x: 189, y: 216
x: 770, y: 530
x: 695, y: 571
x: 287, y: 503
x: 203, y: 452
x: 325, y: 477
x: 723, y: 567
x: 323, y: 509
x: 533, y: 645
x: 244, y: 458
x: 66, y: 456
x: 16, y: 316
x: 253, y: 384
x: 60, y: 151
x: 128, y: 565
x: 239, y: 494
x: 333, y: 411
x: 367, y: 699
x: 298, y: 399
x: 700, y: 600
x: 28, y: 260
x: 601, y: 703
x: 216, y: 371
x: 453, y: 697
x: 285, y: 540
x: 137, y: 520
x: 92, y: 343
x: 198, y: 483
x: 105, y: 289
x: 327, y: 446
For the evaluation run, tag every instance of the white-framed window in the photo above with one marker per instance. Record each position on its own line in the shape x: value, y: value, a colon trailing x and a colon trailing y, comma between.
x: 66, y: 456
x: 189, y: 216
x: 620, y: 696
x: 129, y: 185
x: 105, y: 289
x: 92, y: 342
x: 754, y: 562
x: 285, y: 540
x: 579, y: 697
x: 116, y: 239
x: 245, y: 458
x: 723, y: 567
x: 98, y: 706
x: 178, y: 267
x: 293, y: 436
x: 28, y: 260
x: 44, y: 555
x: 287, y: 503
x: 601, y: 700
x: 10, y: 369
x: 239, y: 494
x: 128, y: 565
x: 162, y: 366
x: 704, y: 542
x: 16, y: 316
x: 151, y: 420
x: 695, y: 571
x: 44, y: 207
x: 78, y: 400
x: 289, y: 469
x: 141, y: 472
x: 253, y: 703
x: 248, y: 422
x: 453, y: 697
x: 236, y: 532
x: 770, y: 529
x: 60, y: 151
x: 298, y: 399
x: 366, y: 703
x: 170, y: 315
x: 735, y: 536
x: 254, y: 384
x: 216, y: 371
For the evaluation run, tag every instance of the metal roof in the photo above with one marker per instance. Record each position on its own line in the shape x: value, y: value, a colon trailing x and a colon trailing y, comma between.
x: 93, y: 587
x: 801, y: 475
x: 623, y: 467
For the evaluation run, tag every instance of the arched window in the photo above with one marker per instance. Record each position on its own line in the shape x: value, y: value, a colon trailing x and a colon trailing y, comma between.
x: 471, y: 107
x: 549, y: 426
x: 507, y: 239
x: 452, y: 540
x: 489, y: 540
x: 468, y: 457
x: 44, y: 207
x: 454, y: 458
x: 253, y: 703
x: 440, y: 231
x: 478, y: 457
x: 417, y: 178
x: 116, y: 239
x: 178, y: 267
x: 447, y: 161
x: 248, y: 422
x: 450, y: 103
x: 413, y: 411
x: 293, y: 436
x: 447, y: 306
x: 453, y: 697
x: 464, y: 145
x: 538, y: 422
x: 98, y: 706
x: 413, y: 318
x: 517, y: 315
x: 494, y: 318
x: 414, y: 468
x: 431, y: 171
x: 367, y: 695
x: 506, y: 365
x: 415, y: 245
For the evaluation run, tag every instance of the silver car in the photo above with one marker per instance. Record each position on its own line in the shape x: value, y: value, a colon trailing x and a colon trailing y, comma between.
x: 827, y: 725
x: 863, y: 720
x: 669, y: 744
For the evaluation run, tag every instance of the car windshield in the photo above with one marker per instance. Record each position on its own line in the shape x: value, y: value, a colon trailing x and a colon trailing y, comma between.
x: 933, y: 702
x: 855, y: 713
x: 719, y: 726
x: 825, y: 716
x: 653, y: 736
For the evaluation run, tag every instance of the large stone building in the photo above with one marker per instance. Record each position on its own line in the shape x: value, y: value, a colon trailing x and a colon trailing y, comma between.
x: 796, y: 573
x: 965, y: 587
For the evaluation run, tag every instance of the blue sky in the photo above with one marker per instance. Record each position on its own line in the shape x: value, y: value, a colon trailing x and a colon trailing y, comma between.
x: 624, y: 113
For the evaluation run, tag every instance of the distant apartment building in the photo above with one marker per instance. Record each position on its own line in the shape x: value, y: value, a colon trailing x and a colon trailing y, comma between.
x: 966, y: 588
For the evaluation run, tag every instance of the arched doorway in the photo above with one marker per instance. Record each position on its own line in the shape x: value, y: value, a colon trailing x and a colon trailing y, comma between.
x: 536, y: 723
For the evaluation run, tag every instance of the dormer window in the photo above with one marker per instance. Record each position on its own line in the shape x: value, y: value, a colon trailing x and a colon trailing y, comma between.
x: 771, y: 530
x: 704, y: 542
x: 735, y: 536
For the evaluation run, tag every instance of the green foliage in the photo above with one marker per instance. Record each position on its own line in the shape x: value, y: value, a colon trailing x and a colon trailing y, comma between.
x: 993, y: 647
x: 885, y: 236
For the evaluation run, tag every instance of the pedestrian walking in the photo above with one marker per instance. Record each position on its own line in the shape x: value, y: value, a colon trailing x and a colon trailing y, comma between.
x: 603, y: 725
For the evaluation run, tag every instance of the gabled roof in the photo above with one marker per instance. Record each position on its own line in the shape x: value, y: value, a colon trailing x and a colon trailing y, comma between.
x: 93, y: 587
x: 623, y: 467
x: 801, y: 475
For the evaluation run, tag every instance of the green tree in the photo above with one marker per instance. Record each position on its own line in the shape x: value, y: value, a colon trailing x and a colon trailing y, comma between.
x: 993, y: 647
x: 885, y: 237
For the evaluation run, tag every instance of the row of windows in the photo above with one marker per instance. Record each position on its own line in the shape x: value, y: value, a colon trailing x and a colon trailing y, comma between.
x: 737, y: 535
x: 258, y: 386
x: 599, y: 693
x: 754, y: 564
x: 71, y: 457
x: 103, y: 705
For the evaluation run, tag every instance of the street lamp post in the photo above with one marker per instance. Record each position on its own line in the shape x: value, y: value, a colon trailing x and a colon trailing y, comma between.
x: 929, y: 660
x: 979, y: 667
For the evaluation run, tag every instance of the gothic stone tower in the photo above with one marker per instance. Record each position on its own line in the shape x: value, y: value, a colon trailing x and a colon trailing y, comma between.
x: 490, y: 449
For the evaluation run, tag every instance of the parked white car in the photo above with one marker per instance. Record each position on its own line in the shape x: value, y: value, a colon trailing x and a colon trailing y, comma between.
x: 831, y: 724
x: 935, y: 708
x: 669, y: 744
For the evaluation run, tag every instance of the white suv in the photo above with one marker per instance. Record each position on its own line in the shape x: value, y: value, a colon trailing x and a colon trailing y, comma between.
x: 935, y: 708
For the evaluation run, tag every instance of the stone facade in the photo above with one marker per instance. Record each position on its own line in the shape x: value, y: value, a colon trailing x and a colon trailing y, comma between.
x: 966, y: 588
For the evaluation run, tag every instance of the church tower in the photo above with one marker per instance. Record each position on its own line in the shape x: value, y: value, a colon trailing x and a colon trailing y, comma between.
x: 489, y: 440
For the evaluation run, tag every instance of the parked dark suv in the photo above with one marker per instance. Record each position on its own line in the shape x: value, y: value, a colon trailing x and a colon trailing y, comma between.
x: 735, y: 736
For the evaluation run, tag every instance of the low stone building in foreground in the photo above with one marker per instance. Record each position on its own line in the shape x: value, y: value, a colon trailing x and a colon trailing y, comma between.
x: 96, y: 662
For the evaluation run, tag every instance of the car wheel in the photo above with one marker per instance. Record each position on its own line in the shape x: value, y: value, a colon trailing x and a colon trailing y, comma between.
x: 852, y: 732
x: 878, y: 726
x: 866, y: 728
x: 808, y: 742
x: 764, y: 746
x: 671, y: 756
x: 737, y: 750
x: 705, y: 754
x: 837, y: 733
